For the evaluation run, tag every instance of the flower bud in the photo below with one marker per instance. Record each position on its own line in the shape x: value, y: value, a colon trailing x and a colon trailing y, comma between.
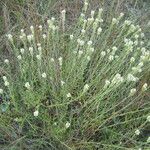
x: 36, y: 113
x: 27, y: 85
x: 68, y: 95
x: 6, y: 61
x: 44, y: 75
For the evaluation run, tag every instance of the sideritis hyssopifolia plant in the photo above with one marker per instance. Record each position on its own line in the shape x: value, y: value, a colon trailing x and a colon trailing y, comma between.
x: 78, y: 89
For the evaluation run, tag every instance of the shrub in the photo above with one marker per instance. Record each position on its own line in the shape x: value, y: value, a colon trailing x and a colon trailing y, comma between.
x: 76, y: 91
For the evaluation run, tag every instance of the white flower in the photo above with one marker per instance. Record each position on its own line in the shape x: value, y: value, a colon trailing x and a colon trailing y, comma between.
x: 148, y: 118
x: 101, y: 20
x: 118, y: 76
x: 6, y: 61
x: 52, y: 18
x: 80, y: 42
x: 40, y: 50
x: 116, y: 56
x: 85, y: 21
x: 107, y: 82
x: 99, y: 30
x: 21, y: 37
x: 67, y: 124
x: 136, y: 42
x: 144, y: 87
x: 114, y: 21
x: 54, y: 28
x: 80, y: 53
x: 132, y: 28
x: 68, y: 95
x: 82, y: 15
x: 136, y: 36
x: 143, y: 58
x: 62, y: 83
x: 143, y: 50
x: 63, y: 11
x: 44, y: 36
x: 111, y: 57
x: 148, y: 140
x: 22, y: 30
x: 32, y: 28
x: 49, y: 22
x: 117, y: 79
x: 16, y: 119
x: 121, y: 14
x: 127, y: 22
x: 52, y: 59
x: 95, y: 24
x: 136, y: 69
x: 139, y: 30
x: 92, y: 13
x: 38, y: 57
x: 85, y: 88
x: 71, y: 37
x: 132, y: 91
x: 40, y: 27
x: 1, y: 91
x: 130, y: 77
x: 86, y: 3
x: 82, y: 31
x: 100, y: 10
x: 44, y: 75
x: 4, y: 78
x: 126, y: 40
x: 36, y: 113
x: 30, y: 37
x: 132, y: 59
x: 137, y: 132
x: 103, y: 53
x: 90, y: 20
x: 10, y: 37
x: 31, y: 50
x: 139, y: 70
x: 108, y: 50
x: 55, y: 123
x: 88, y: 58
x: 114, y: 48
x: 39, y: 44
x: 27, y: 85
x: 60, y: 61
x: 141, y: 64
x: 22, y: 50
x: 89, y: 43
x: 6, y: 83
x: 19, y: 57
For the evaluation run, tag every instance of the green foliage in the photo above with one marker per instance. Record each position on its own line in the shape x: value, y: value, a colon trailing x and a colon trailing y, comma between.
x: 76, y: 89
